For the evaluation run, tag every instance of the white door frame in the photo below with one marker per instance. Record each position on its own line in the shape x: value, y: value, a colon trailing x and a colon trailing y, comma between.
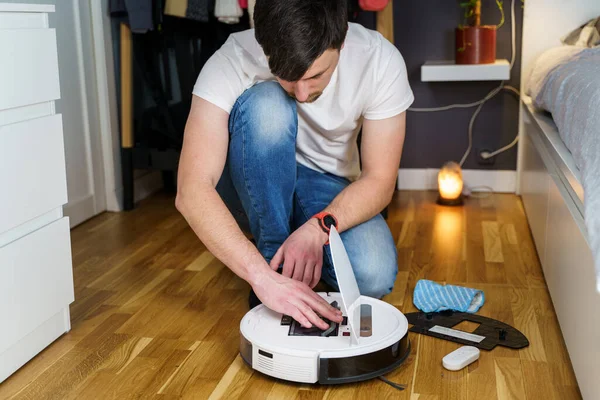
x: 145, y: 182
x: 107, y: 102
x: 94, y: 203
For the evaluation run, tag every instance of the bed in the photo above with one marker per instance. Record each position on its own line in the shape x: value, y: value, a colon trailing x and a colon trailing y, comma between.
x: 565, y: 84
x: 559, y: 170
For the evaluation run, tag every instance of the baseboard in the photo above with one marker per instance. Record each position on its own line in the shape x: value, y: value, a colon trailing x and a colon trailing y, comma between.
x: 32, y: 344
x: 143, y: 186
x: 501, y: 181
x: 80, y: 210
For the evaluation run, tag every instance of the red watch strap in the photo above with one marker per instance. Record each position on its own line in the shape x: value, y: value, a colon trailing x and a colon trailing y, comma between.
x: 321, y: 218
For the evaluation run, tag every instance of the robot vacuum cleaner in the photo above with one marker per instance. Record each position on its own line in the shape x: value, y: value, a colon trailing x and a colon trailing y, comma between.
x: 371, y: 341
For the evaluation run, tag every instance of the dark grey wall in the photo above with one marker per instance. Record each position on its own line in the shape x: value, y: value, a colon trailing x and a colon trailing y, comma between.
x: 424, y: 30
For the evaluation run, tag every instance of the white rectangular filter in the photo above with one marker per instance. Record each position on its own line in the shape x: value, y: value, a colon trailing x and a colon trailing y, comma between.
x: 457, y: 334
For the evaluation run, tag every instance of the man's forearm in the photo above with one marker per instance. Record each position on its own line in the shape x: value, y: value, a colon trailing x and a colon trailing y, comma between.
x: 382, y: 144
x: 360, y: 201
x: 214, y: 225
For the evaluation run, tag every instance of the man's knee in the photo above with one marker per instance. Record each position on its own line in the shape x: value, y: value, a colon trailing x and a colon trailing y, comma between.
x: 268, y: 114
x: 377, y: 280
x: 374, y: 258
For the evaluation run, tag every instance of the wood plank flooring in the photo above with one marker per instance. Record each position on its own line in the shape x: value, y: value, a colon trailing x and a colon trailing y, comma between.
x: 156, y: 316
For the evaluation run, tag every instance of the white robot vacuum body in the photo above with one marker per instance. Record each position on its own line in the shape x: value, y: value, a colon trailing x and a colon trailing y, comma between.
x: 372, y: 339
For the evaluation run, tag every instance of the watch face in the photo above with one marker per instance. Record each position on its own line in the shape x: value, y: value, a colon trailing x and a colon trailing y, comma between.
x: 328, y: 221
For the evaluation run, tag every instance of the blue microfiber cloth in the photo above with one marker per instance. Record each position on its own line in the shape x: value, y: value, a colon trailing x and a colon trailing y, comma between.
x: 430, y: 296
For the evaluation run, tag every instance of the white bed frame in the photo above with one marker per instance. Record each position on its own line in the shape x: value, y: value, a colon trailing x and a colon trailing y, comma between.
x: 550, y: 185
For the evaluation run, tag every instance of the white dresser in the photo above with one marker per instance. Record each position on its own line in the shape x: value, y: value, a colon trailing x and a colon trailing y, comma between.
x: 36, y: 276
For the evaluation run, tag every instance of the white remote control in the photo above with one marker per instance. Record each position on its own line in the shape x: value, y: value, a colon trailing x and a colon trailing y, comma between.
x: 460, y: 358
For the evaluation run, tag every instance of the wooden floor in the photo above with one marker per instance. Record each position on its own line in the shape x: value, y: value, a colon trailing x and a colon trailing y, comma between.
x: 156, y: 316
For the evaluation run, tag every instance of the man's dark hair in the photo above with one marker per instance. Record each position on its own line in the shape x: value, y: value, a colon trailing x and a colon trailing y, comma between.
x: 294, y: 33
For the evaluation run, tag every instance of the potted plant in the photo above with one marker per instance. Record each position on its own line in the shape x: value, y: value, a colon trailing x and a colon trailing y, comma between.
x: 476, y: 43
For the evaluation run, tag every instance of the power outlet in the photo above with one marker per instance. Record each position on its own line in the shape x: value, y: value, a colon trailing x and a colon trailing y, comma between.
x: 485, y: 161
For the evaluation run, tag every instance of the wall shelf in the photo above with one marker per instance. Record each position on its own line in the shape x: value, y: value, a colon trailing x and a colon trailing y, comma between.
x: 447, y: 71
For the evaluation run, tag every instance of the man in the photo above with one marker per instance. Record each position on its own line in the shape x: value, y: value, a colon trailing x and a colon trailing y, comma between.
x: 271, y: 144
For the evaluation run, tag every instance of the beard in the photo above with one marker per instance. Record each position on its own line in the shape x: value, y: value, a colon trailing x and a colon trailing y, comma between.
x: 311, y: 98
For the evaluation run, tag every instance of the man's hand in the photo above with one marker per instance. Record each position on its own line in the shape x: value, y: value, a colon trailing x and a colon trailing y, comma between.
x: 290, y: 297
x: 302, y: 254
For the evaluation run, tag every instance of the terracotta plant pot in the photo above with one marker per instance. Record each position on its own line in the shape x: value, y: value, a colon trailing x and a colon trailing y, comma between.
x: 476, y: 45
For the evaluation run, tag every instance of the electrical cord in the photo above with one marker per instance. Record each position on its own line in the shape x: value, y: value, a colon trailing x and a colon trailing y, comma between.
x: 512, y: 89
x: 491, y: 94
x: 472, y: 123
x: 392, y: 384
x: 481, y: 102
x: 470, y: 192
x: 487, y: 155
x: 513, y: 33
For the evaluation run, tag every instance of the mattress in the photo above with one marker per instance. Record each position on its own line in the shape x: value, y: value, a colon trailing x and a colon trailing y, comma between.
x: 565, y: 82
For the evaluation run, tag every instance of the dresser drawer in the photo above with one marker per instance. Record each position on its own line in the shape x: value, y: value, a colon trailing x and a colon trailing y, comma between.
x: 29, y: 67
x: 36, y: 280
x: 32, y: 170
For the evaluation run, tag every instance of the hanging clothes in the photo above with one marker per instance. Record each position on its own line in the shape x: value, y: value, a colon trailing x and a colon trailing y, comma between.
x: 228, y: 11
x: 198, y: 10
x: 138, y: 12
x: 251, y: 5
x: 373, y: 5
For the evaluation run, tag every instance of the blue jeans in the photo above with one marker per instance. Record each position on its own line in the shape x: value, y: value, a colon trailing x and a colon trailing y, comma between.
x: 271, y: 195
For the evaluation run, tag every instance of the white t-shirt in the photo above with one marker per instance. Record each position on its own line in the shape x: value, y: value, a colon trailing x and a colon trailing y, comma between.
x: 369, y: 82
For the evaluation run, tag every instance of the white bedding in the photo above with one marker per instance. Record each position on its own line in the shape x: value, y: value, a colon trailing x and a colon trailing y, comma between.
x: 542, y: 67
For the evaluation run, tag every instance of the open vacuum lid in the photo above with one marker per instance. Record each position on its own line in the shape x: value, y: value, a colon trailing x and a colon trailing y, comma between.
x: 346, y: 282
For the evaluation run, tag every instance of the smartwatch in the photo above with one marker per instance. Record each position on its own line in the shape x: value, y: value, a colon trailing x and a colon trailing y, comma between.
x: 326, y: 221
